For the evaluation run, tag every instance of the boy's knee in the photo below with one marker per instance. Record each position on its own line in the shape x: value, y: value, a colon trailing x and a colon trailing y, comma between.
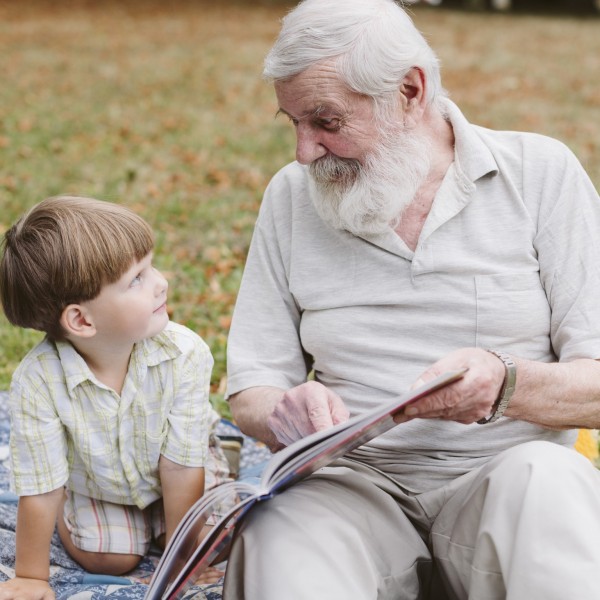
x: 108, y: 564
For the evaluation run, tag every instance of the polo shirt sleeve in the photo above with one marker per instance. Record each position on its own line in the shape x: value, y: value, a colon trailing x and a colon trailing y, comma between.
x: 38, y: 446
x: 191, y: 417
x: 569, y: 253
x: 264, y: 347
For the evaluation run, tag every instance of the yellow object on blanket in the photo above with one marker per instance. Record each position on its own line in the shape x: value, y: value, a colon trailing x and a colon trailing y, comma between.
x: 587, y: 443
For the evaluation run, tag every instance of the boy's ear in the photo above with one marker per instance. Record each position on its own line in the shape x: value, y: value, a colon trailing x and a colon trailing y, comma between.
x: 77, y: 322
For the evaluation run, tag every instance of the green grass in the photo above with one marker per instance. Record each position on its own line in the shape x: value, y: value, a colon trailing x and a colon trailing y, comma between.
x: 160, y: 106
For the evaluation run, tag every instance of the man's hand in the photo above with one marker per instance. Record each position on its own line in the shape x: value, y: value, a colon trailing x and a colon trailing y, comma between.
x: 466, y: 400
x: 305, y: 409
x: 26, y: 589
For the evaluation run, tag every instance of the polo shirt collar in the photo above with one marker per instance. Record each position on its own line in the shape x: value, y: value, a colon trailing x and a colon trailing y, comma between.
x: 474, y: 159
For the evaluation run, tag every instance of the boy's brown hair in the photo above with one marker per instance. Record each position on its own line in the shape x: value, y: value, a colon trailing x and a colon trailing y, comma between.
x: 63, y: 251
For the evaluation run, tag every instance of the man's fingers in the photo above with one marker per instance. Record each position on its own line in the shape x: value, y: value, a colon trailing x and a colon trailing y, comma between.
x: 329, y: 409
x: 319, y: 413
x: 339, y: 411
x: 466, y: 400
x: 305, y: 409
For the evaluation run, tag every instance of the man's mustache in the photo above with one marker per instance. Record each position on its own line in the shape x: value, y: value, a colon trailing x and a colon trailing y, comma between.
x: 335, y: 169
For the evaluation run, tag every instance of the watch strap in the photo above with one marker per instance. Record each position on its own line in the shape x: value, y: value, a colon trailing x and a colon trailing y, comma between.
x: 507, y: 389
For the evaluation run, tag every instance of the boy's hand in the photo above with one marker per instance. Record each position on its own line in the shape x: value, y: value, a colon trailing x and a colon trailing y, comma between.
x: 210, y: 575
x: 26, y: 589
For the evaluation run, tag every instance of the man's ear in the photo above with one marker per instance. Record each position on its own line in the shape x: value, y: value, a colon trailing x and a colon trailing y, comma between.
x: 412, y: 95
x: 77, y: 322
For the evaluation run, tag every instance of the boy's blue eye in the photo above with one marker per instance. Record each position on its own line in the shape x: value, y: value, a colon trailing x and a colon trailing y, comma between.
x: 136, y: 279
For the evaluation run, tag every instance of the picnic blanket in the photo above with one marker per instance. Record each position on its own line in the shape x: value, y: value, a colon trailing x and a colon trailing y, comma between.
x: 67, y: 578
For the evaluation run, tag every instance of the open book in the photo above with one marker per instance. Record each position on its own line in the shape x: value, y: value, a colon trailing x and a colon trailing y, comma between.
x: 185, y: 558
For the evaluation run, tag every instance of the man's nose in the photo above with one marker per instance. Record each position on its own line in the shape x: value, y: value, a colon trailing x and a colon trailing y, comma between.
x: 308, y: 146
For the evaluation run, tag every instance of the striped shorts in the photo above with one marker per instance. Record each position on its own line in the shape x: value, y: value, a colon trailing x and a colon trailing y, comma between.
x: 101, y: 526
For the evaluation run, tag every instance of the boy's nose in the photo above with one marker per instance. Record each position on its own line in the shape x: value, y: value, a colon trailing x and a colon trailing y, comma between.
x: 162, y: 284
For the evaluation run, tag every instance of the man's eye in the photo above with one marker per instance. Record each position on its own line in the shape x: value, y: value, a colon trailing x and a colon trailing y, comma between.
x: 330, y: 124
x: 293, y: 121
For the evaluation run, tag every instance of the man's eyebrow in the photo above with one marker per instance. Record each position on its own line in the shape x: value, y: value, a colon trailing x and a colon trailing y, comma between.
x: 280, y: 111
x: 314, y: 113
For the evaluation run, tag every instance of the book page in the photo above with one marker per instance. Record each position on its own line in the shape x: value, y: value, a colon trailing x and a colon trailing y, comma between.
x: 214, y: 548
x: 309, y: 454
x: 193, y: 533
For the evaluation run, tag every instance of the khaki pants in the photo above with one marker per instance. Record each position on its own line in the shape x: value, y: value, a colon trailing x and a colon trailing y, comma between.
x: 526, y: 526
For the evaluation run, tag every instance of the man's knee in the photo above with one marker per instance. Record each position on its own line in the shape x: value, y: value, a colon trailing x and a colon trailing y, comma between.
x: 549, y: 475
x: 542, y: 460
x: 350, y: 534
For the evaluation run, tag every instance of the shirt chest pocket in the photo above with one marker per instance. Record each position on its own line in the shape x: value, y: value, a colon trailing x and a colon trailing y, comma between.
x: 513, y: 313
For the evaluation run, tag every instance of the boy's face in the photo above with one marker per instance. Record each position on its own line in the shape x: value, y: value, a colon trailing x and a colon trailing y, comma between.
x: 132, y: 308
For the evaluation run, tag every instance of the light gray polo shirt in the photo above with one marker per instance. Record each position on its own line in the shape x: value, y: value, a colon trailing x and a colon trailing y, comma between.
x: 508, y: 259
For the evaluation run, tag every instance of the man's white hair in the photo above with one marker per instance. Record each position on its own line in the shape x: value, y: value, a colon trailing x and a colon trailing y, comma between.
x: 374, y: 44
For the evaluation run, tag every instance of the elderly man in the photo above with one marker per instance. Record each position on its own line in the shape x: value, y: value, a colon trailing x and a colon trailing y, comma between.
x: 404, y: 242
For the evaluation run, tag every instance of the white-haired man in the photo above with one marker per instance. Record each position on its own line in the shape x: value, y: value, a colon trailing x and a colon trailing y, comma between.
x: 402, y: 243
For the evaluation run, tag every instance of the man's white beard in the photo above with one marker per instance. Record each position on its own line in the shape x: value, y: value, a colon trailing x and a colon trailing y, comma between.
x: 369, y: 198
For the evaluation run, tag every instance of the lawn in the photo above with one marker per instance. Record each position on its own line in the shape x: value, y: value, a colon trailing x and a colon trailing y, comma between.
x: 161, y: 106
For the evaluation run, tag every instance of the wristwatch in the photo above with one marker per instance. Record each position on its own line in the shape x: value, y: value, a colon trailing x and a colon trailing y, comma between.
x: 507, y: 389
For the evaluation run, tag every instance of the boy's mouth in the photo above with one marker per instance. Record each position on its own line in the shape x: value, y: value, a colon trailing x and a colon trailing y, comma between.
x: 162, y: 307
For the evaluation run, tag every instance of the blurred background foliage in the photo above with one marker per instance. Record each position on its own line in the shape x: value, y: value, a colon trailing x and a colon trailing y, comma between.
x: 161, y: 106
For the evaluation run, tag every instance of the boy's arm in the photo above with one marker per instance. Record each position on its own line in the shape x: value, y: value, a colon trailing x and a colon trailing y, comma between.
x: 181, y: 487
x: 36, y: 518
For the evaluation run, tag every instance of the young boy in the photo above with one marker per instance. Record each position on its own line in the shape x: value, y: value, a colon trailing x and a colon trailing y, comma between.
x: 111, y: 422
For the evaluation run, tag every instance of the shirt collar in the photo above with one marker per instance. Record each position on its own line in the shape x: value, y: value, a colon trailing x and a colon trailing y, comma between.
x: 473, y: 158
x: 146, y: 353
x: 74, y: 367
x: 155, y: 350
x: 472, y: 161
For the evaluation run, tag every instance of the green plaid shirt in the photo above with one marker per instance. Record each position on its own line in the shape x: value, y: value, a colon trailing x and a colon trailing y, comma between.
x: 70, y: 429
